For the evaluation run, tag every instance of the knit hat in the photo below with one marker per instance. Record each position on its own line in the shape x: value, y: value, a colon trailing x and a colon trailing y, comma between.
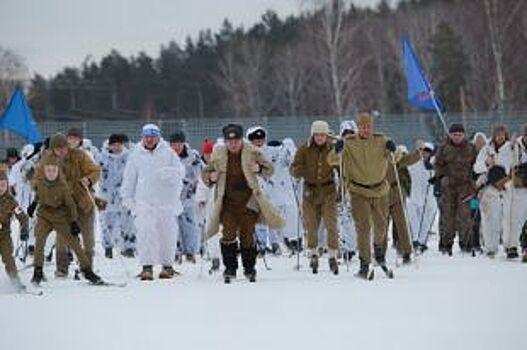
x: 151, y: 130
x: 456, y: 127
x: 178, y: 136
x: 207, y: 147
x: 365, y: 119
x: 114, y: 138
x: 428, y: 146
x: 319, y: 127
x: 49, y: 160
x: 232, y: 132
x: 256, y: 133
x: 58, y: 141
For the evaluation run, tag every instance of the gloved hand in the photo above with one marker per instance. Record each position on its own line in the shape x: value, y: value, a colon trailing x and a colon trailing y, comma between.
x: 432, y: 180
x: 24, y: 234
x: 31, y: 209
x: 75, y: 229
x: 390, y: 146
x: 437, y: 188
x: 339, y: 146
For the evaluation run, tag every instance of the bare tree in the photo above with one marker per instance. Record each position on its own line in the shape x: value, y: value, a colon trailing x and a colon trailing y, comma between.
x: 13, y: 72
x: 500, y: 16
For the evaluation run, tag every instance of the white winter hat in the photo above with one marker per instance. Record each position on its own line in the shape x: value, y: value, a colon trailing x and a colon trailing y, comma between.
x: 256, y: 132
x: 428, y: 146
x: 402, y: 149
x: 319, y: 127
x: 151, y: 130
x: 348, y: 125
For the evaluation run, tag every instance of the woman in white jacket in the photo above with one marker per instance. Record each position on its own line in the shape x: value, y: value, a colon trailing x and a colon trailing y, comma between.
x: 152, y: 184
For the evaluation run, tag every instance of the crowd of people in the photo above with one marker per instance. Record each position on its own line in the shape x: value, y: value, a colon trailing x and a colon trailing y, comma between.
x: 247, y: 194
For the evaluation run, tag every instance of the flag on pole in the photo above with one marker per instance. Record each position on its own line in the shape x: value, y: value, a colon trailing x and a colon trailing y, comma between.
x: 420, y: 92
x: 18, y: 118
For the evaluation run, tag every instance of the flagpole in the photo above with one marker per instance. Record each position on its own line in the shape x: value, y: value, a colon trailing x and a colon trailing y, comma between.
x: 439, y: 113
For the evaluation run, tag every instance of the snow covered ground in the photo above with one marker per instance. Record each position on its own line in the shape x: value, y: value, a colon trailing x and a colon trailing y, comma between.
x: 439, y: 303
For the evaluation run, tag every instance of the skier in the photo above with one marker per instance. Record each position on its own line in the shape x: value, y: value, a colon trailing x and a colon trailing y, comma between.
x: 421, y: 204
x: 348, y: 234
x: 152, y: 184
x: 312, y: 164
x: 516, y: 208
x: 238, y: 200
x: 81, y: 174
x: 57, y: 211
x: 400, y: 186
x: 281, y: 191
x: 189, y: 235
x: 453, y: 166
x: 365, y: 159
x: 9, y: 207
x: 116, y: 220
x: 496, y: 155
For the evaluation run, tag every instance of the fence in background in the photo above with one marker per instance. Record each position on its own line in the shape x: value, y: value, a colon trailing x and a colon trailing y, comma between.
x: 404, y: 129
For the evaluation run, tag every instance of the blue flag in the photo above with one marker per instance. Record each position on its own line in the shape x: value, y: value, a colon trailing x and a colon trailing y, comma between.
x: 420, y: 92
x: 19, y: 119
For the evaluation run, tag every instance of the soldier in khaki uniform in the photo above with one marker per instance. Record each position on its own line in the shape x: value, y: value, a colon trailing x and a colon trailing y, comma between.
x: 57, y: 211
x: 312, y: 163
x: 9, y: 207
x: 80, y: 174
x: 396, y: 204
x: 366, y: 159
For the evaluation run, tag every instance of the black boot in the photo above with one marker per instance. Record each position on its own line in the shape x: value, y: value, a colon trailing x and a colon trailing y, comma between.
x: 108, y: 253
x: 379, y: 254
x: 92, y: 277
x: 407, y: 259
x: 249, y: 262
x: 229, y: 254
x: 364, y: 271
x: 313, y: 264
x: 524, y: 257
x: 38, y: 276
x: 512, y: 253
x: 333, y: 266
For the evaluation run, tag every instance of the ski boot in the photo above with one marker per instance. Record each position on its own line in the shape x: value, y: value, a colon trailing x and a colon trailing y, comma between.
x: 215, y: 267
x: 229, y: 253
x: 407, y: 259
x: 38, y: 276
x: 512, y: 253
x: 524, y: 257
x: 275, y: 249
x: 92, y: 277
x: 364, y: 271
x: 190, y: 258
x: 333, y: 265
x: 108, y: 253
x: 167, y: 272
x: 147, y: 274
x: 313, y: 264
x: 249, y: 262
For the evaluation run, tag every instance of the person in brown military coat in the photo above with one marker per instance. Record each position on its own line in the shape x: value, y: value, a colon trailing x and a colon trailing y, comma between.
x: 238, y: 202
x: 8, y: 208
x: 80, y: 174
x: 57, y: 211
x: 366, y: 158
x: 397, y: 200
x: 454, y: 161
x: 313, y: 164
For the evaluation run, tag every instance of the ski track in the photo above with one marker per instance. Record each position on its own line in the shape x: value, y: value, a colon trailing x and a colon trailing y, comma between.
x: 439, y: 303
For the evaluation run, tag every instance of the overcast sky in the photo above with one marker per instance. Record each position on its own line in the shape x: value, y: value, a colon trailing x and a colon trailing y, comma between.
x: 52, y: 34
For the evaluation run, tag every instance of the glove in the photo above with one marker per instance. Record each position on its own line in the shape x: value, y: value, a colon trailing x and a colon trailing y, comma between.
x: 429, y: 165
x: 24, y: 234
x: 75, y: 229
x: 437, y: 189
x: 390, y: 146
x: 339, y: 146
x: 432, y: 180
x: 31, y: 209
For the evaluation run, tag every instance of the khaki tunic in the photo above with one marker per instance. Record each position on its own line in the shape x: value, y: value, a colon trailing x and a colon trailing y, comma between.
x: 9, y: 207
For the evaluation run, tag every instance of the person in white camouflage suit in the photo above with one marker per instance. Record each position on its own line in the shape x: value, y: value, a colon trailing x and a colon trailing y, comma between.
x: 189, y: 232
x: 118, y: 230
